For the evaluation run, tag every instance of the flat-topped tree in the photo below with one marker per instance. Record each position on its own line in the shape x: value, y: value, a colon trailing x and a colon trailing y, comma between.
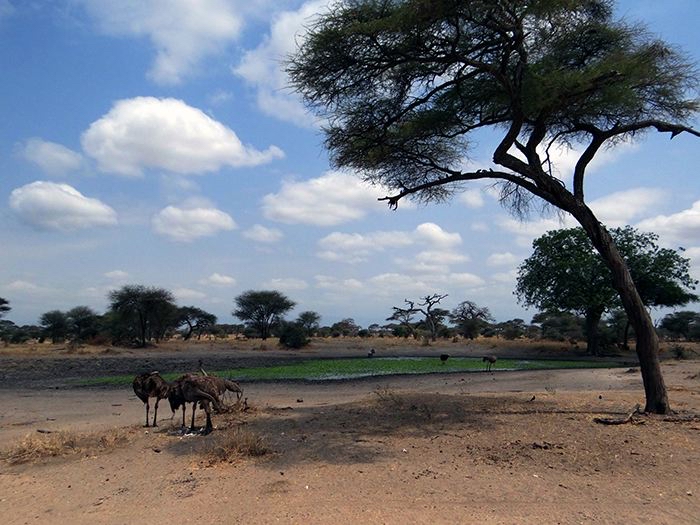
x: 404, y: 83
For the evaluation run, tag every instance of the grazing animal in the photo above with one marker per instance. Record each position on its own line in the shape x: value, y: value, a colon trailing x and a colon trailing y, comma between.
x: 370, y: 353
x: 148, y: 385
x: 444, y: 357
x: 195, y: 389
x: 489, y: 360
x: 221, y: 386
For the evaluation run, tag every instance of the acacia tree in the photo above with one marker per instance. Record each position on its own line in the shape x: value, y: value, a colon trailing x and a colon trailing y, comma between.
x: 4, y: 306
x: 565, y: 273
x: 404, y: 83
x: 309, y: 322
x: 470, y: 318
x: 262, y: 309
x: 139, y: 313
x: 54, y: 325
x: 196, y: 319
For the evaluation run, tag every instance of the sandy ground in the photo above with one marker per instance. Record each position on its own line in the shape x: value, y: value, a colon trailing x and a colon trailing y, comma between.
x: 508, y: 447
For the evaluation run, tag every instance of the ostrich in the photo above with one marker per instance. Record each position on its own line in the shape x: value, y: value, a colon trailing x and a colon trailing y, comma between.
x: 221, y: 386
x: 444, y: 357
x: 148, y: 385
x: 194, y: 389
x: 489, y: 360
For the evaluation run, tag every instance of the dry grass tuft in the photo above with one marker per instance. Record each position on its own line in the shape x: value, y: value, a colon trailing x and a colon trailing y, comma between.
x: 236, y: 444
x: 35, y: 447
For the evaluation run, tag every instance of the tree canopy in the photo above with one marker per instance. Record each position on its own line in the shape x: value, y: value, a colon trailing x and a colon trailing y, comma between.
x: 261, y: 309
x: 139, y: 313
x: 564, y: 273
x: 403, y: 84
x: 4, y: 306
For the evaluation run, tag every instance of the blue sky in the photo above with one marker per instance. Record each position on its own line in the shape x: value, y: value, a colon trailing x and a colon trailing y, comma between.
x: 156, y: 142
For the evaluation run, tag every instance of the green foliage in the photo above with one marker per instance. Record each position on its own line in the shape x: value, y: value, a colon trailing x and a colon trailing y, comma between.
x: 83, y: 323
x: 470, y: 319
x: 4, y: 306
x: 293, y: 335
x: 682, y: 325
x: 565, y: 273
x: 345, y: 327
x: 261, y: 310
x: 140, y: 314
x: 197, y: 320
x: 55, y: 325
x: 309, y: 321
x: 559, y: 326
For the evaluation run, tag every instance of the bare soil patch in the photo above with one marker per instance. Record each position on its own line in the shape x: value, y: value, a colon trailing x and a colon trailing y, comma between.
x: 511, y: 447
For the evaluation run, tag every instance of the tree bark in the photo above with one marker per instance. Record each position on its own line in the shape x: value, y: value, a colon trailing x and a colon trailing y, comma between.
x: 647, y: 342
x: 592, y: 332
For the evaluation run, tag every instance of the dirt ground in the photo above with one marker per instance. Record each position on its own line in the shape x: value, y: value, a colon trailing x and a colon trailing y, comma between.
x: 507, y: 447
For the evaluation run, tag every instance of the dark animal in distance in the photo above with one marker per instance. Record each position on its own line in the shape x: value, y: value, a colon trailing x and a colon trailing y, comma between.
x: 489, y: 360
x: 444, y: 357
x: 370, y: 353
x: 148, y: 385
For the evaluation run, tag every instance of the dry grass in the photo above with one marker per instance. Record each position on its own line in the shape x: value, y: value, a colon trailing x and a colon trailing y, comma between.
x: 236, y: 444
x: 36, y: 447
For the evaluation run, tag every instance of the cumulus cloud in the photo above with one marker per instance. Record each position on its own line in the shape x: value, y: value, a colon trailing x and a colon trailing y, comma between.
x: 355, y: 247
x: 329, y: 200
x: 148, y: 132
x: 334, y: 284
x: 188, y: 224
x: 259, y: 233
x: 682, y: 227
x: 623, y: 207
x: 182, y: 32
x: 52, y: 158
x: 117, y: 275
x: 50, y: 206
x: 287, y: 284
x: 217, y: 279
x: 187, y: 294
x: 263, y: 68
x: 502, y: 259
x: 472, y: 198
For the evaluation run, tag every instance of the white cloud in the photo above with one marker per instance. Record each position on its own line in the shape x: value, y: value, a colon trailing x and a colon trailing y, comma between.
x: 187, y: 294
x: 51, y: 206
x: 187, y: 224
x: 263, y: 67
x: 622, y: 207
x: 217, y: 279
x: 472, y: 198
x: 148, y: 132
x: 333, y: 284
x: 117, y: 275
x: 24, y: 287
x: 183, y: 32
x: 287, y: 284
x: 502, y: 259
x: 433, y: 234
x: 355, y: 247
x: 259, y: 233
x: 52, y: 158
x: 682, y: 227
x: 329, y: 200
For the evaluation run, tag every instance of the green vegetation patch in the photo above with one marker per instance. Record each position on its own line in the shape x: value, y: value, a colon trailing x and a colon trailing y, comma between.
x: 351, y: 368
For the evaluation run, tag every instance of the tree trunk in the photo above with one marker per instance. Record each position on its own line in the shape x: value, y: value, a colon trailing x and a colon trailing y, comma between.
x: 592, y: 332
x: 647, y: 345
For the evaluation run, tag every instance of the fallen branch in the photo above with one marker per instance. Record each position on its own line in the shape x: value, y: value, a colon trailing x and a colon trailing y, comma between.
x: 616, y: 420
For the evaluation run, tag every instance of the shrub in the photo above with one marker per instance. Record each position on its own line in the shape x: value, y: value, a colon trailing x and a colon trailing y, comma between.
x: 293, y: 336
